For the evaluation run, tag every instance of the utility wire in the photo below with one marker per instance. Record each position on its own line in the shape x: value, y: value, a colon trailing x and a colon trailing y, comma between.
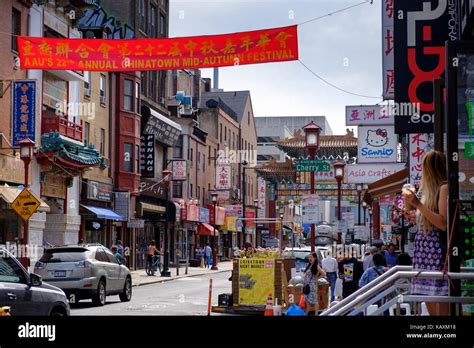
x: 334, y: 86
x: 338, y: 11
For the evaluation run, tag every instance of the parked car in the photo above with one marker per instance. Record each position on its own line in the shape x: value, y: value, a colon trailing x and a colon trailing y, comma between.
x: 86, y: 271
x: 302, y: 254
x: 25, y: 293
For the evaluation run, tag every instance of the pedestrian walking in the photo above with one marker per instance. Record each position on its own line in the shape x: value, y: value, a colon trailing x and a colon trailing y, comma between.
x: 330, y: 266
x: 350, y: 271
x: 207, y: 255
x: 404, y: 260
x: 375, y: 271
x: 311, y: 276
x: 117, y: 255
x: 429, y: 213
x: 368, y: 261
x: 120, y: 247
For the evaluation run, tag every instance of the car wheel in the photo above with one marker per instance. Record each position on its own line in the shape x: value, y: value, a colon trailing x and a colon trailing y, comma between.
x: 57, y: 312
x: 126, y: 295
x: 99, y: 298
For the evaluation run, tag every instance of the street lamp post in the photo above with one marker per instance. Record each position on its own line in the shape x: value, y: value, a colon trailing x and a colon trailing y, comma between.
x: 255, y: 204
x: 339, y: 174
x: 166, y: 181
x: 364, y: 205
x: 281, y: 231
x: 312, y: 131
x: 359, y: 192
x: 244, y: 193
x: 26, y: 154
x: 214, y: 238
x: 370, y: 225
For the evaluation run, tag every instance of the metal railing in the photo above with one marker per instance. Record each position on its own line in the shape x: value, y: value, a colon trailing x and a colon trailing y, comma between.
x: 392, y: 289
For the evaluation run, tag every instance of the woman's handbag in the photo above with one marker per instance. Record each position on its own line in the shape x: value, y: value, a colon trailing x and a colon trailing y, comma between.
x: 307, y: 288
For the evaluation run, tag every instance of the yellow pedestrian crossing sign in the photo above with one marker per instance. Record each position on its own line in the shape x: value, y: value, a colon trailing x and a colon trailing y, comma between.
x: 25, y: 204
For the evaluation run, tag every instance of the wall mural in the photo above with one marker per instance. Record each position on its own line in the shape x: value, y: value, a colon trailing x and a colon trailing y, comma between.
x: 98, y: 18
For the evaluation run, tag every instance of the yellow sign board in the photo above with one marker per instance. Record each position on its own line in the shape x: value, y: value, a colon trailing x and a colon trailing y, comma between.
x: 25, y: 204
x: 256, y: 280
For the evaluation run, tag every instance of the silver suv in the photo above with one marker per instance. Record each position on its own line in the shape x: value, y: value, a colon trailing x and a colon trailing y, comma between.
x: 86, y: 271
x: 25, y: 293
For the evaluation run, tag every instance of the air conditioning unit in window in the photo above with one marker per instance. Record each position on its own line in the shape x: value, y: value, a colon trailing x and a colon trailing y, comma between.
x: 87, y: 92
x: 102, y: 99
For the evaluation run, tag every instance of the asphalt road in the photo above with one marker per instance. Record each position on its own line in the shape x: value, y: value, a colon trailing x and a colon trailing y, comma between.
x: 183, y: 296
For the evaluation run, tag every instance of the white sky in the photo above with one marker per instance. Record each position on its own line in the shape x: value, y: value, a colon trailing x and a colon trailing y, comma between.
x: 345, y: 49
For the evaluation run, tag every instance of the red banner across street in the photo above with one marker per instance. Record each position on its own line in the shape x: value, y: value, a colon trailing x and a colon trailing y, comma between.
x: 252, y: 47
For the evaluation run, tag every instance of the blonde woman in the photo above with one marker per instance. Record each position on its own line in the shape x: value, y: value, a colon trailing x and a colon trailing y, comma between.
x: 430, y: 215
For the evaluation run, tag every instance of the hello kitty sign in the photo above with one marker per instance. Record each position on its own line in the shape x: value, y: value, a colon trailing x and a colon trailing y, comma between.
x: 377, y: 144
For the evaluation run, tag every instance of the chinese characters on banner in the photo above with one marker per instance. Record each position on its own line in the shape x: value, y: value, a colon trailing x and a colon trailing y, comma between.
x: 23, y: 110
x: 252, y: 47
x: 367, y: 115
x: 322, y: 176
x: 388, y: 49
x: 420, y: 144
x: 179, y: 170
x: 223, y: 174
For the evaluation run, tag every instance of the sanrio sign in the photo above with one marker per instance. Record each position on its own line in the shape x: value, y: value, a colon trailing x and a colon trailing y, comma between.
x: 377, y: 144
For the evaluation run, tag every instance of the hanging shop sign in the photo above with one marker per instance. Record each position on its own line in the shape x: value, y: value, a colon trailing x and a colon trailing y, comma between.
x: 195, y: 52
x: 388, y: 50
x: 147, y: 156
x: 368, y: 115
x: 151, y: 188
x: 193, y: 213
x: 23, y: 110
x: 53, y: 186
x: 94, y: 225
x: 368, y: 173
x: 421, y: 29
x: 178, y: 167
x: 204, y: 215
x: 122, y: 204
x: 165, y: 130
x: 223, y: 174
x: 377, y: 144
x: 98, y: 191
x: 420, y: 144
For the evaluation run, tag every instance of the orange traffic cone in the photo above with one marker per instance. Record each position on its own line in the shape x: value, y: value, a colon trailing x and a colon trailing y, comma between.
x: 269, y: 307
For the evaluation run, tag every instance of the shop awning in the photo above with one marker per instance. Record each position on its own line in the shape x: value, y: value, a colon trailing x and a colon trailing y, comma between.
x: 206, y: 230
x: 388, y: 185
x: 151, y: 208
x: 104, y: 213
x: 9, y: 194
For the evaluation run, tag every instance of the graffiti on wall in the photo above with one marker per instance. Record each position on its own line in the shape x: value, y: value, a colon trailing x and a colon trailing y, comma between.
x: 98, y: 18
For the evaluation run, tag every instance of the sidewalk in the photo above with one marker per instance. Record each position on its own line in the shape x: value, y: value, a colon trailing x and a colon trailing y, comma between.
x: 140, y: 277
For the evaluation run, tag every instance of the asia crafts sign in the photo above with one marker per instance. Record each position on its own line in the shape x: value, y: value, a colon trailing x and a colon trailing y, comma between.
x: 194, y: 52
x: 256, y: 280
x: 23, y: 110
x: 368, y: 173
x: 377, y: 144
x: 367, y: 115
x: 312, y: 166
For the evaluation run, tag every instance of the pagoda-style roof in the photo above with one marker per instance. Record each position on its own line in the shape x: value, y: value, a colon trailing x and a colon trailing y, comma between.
x: 330, y: 146
x: 69, y: 153
x: 275, y: 172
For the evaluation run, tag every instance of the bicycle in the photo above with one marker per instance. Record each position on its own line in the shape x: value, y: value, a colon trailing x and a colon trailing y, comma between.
x: 152, y: 267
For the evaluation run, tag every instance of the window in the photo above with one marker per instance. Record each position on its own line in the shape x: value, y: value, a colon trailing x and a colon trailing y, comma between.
x: 137, y: 159
x: 100, y: 255
x: 203, y: 162
x: 137, y: 97
x: 111, y: 257
x: 87, y: 83
x: 128, y: 157
x: 190, y: 195
x: 153, y: 28
x: 209, y: 156
x: 144, y: 81
x: 248, y: 119
x: 178, y: 148
x: 87, y: 127
x: 10, y: 272
x: 102, y: 141
x: 177, y: 189
x: 215, y: 155
x: 225, y: 133
x: 203, y: 195
x: 102, y: 88
x: 161, y: 90
x: 199, y: 158
x: 198, y: 192
x: 128, y: 95
x: 16, y: 27
x: 141, y: 15
x: 162, y: 26
x: 152, y: 84
x: 192, y: 156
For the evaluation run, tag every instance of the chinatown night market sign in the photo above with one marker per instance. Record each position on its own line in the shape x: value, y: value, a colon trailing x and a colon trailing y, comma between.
x: 251, y: 47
